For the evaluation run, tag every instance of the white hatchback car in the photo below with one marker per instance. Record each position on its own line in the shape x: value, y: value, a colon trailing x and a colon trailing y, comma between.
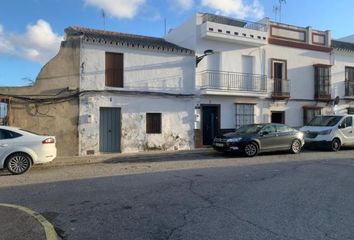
x: 20, y: 149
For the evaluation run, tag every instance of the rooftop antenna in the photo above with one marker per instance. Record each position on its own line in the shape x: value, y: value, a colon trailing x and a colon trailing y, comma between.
x: 103, y: 15
x: 165, y: 25
x: 280, y: 3
x: 277, y: 9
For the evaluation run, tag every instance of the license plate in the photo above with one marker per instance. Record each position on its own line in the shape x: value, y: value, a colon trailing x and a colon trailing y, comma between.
x: 219, y: 144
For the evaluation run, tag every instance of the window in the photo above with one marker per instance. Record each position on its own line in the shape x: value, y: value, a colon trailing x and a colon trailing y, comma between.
x: 244, y: 114
x: 350, y: 110
x: 310, y: 112
x: 4, y: 111
x: 153, y: 122
x: 114, y: 69
x: 6, y: 134
x: 322, y: 82
x: 283, y: 128
x: 270, y: 129
x: 347, y: 122
x: 349, y: 81
x: 279, y: 75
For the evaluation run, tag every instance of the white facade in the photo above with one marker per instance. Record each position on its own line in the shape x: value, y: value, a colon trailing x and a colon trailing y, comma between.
x: 267, y: 65
x: 154, y: 82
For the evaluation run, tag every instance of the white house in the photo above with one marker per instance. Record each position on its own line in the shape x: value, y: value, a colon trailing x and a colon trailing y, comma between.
x: 136, y: 93
x: 262, y: 72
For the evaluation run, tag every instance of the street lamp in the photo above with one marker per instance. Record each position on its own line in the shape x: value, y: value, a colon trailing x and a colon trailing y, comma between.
x: 206, y: 53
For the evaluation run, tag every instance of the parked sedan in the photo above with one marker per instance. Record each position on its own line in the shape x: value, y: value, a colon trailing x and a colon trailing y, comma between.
x: 255, y: 138
x: 20, y: 149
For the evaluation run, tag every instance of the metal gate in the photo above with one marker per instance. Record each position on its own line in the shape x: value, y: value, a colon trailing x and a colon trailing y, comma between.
x: 110, y: 129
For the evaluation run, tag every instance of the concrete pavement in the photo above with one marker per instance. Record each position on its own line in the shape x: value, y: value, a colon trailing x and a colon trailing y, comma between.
x: 20, y: 223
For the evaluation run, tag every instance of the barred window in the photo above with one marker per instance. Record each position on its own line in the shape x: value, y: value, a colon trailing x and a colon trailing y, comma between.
x: 349, y: 81
x: 244, y: 114
x: 310, y: 112
x: 4, y: 111
x: 153, y: 122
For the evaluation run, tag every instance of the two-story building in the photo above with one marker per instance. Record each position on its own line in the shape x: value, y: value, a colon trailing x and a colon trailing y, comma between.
x: 110, y: 92
x: 263, y: 71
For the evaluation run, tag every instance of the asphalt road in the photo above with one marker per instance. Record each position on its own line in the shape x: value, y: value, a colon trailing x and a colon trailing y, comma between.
x: 278, y: 196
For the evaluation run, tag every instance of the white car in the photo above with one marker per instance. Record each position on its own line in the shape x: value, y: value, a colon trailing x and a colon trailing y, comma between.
x: 20, y: 149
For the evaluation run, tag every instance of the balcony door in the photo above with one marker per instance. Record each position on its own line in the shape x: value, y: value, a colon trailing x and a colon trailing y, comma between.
x: 247, y: 70
x: 279, y: 75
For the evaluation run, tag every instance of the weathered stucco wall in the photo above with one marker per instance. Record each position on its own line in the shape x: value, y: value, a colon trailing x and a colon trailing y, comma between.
x: 59, y: 117
x: 150, y: 77
x: 177, y: 122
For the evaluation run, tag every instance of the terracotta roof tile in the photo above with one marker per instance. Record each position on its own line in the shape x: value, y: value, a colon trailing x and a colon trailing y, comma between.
x: 343, y: 45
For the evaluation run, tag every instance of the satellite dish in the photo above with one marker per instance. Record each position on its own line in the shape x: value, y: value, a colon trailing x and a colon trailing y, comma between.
x: 336, y: 100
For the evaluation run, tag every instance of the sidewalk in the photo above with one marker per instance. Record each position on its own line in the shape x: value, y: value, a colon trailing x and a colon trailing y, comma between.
x: 20, y: 223
x: 125, y: 157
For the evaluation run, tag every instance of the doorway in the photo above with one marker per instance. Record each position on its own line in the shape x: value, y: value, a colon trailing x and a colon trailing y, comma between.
x: 210, y: 123
x: 278, y: 117
x: 110, y: 129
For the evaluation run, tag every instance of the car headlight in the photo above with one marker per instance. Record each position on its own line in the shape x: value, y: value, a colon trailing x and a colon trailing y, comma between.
x: 325, y: 132
x: 233, y: 140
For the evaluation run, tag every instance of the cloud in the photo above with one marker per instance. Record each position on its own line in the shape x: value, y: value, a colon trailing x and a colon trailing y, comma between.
x: 118, y: 8
x: 38, y: 44
x: 183, y: 4
x: 235, y: 8
x: 5, y: 44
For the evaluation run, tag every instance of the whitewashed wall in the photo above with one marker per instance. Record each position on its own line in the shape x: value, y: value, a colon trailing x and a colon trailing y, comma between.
x: 147, y: 71
x: 144, y: 70
x: 177, y: 122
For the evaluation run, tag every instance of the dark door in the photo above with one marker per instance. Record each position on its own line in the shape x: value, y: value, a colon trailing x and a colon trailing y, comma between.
x: 110, y: 128
x: 278, y: 76
x: 210, y: 124
x: 278, y: 117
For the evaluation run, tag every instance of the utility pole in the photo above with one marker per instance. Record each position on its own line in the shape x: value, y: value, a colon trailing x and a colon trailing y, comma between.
x: 103, y: 15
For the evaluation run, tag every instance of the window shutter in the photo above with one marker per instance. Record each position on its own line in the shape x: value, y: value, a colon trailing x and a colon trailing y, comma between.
x: 114, y: 69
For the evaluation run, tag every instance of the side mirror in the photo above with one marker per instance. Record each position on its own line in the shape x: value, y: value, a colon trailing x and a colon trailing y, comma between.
x: 342, y: 125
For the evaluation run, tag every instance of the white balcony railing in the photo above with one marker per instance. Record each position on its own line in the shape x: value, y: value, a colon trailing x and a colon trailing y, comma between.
x: 233, y: 82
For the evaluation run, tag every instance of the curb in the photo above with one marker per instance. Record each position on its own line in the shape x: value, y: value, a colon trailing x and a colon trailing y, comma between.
x: 49, y: 230
x: 124, y: 157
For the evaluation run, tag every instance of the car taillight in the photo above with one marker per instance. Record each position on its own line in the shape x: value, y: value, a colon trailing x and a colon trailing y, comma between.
x: 48, y: 140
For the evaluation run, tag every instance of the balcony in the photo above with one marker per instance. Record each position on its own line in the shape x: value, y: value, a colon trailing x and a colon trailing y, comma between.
x: 233, y: 84
x: 281, y: 89
x: 322, y: 94
x: 232, y: 30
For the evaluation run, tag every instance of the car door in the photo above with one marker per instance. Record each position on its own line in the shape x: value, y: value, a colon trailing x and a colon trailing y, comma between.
x: 346, y: 131
x: 7, y: 142
x: 284, y: 137
x: 267, y: 137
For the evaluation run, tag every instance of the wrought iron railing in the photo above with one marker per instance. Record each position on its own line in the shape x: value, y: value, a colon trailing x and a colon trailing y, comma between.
x: 234, y: 81
x: 281, y: 88
x: 207, y: 17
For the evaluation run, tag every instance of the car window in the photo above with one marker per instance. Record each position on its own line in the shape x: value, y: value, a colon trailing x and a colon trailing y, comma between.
x: 6, y: 134
x: 269, y: 129
x: 283, y: 128
x: 323, y: 121
x: 347, y: 122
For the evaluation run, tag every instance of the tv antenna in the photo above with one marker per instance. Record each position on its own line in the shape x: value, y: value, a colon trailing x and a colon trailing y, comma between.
x: 277, y: 9
x: 103, y: 15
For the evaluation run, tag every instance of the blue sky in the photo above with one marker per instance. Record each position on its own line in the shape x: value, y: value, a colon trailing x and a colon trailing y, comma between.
x: 31, y: 30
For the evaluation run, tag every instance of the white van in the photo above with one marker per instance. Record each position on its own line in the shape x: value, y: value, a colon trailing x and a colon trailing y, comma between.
x: 330, y: 131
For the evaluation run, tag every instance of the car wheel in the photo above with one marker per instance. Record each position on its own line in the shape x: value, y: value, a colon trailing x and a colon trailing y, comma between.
x: 251, y: 150
x: 295, y: 146
x: 335, y: 145
x: 18, y: 163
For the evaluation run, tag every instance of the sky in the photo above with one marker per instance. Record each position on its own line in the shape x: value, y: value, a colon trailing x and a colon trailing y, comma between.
x: 31, y: 30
